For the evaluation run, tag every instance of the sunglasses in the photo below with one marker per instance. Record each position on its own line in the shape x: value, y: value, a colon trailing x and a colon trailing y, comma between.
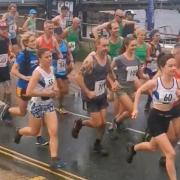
x: 120, y: 16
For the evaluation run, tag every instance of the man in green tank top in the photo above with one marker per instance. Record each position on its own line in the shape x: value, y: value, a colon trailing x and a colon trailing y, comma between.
x: 119, y: 18
x: 71, y: 34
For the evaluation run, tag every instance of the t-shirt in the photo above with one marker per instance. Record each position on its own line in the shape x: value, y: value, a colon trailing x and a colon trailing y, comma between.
x: 126, y: 70
x: 33, y: 64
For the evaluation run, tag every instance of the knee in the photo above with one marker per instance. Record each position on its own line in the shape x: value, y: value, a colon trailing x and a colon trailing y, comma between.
x: 171, y: 154
x: 53, y: 133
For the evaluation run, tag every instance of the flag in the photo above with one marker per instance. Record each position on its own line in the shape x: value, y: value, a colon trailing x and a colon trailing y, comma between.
x: 150, y: 15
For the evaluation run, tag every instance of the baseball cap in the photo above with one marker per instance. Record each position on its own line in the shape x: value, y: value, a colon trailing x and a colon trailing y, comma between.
x: 3, y: 24
x: 130, y: 12
x: 32, y: 11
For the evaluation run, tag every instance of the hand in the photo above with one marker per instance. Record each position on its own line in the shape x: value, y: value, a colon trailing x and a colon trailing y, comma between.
x: 27, y: 78
x: 115, y: 85
x: 91, y: 94
x: 134, y: 114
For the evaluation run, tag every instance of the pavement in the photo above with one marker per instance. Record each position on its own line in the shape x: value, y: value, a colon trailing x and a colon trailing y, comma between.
x: 27, y: 160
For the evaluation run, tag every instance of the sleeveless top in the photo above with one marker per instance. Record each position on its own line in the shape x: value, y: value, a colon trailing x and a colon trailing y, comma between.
x: 164, y: 95
x: 60, y: 64
x: 141, y: 53
x: 114, y: 49
x: 42, y: 43
x: 96, y: 80
x: 72, y: 39
x: 46, y: 82
x: 4, y: 48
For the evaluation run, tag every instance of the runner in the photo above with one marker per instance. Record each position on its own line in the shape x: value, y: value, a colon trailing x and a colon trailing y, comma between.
x: 71, y: 34
x: 4, y: 65
x: 42, y: 87
x: 30, y: 23
x: 47, y: 39
x: 128, y: 67
x: 164, y: 95
x: 11, y: 18
x: 92, y: 80
x: 60, y: 20
x: 61, y: 68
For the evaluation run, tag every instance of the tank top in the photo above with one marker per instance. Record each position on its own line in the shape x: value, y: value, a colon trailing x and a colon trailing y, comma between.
x: 46, y: 81
x: 4, y: 47
x: 164, y: 95
x: 72, y: 39
x: 32, y: 25
x: 42, y: 43
x: 141, y: 53
x: 60, y: 64
x: 114, y: 49
x: 96, y: 80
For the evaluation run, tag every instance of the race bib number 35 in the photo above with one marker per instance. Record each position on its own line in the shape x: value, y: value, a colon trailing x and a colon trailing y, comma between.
x: 131, y: 73
x: 100, y: 87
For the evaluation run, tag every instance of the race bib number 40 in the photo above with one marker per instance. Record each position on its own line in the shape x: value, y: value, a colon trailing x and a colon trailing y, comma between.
x: 131, y: 73
x: 100, y: 87
x: 3, y: 60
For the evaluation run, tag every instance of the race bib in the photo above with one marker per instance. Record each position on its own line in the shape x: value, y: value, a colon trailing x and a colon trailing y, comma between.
x: 49, y: 81
x: 61, y: 65
x: 131, y: 73
x: 100, y: 87
x: 12, y: 28
x: 72, y: 45
x: 153, y: 66
x: 167, y: 97
x: 3, y: 60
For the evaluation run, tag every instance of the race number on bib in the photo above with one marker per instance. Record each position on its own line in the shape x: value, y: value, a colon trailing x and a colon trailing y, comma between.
x: 100, y: 87
x: 61, y: 65
x: 131, y: 73
x: 12, y: 28
x: 3, y: 60
x: 49, y: 81
x: 72, y: 45
x: 167, y: 97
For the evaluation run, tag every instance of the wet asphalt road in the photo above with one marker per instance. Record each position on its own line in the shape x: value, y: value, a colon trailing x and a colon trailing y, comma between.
x: 78, y: 153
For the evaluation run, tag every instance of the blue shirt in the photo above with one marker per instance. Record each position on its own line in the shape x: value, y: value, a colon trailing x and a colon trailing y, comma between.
x: 33, y: 64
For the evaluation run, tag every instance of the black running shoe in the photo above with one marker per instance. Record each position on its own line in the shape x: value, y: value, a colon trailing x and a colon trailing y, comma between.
x: 98, y: 148
x: 162, y: 161
x: 130, y: 152
x: 17, y: 137
x: 76, y: 128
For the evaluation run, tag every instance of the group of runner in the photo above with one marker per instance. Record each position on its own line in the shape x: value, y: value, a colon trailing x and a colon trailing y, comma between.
x: 121, y: 68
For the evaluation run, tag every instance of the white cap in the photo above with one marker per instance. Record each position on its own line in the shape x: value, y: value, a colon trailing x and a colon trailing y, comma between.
x: 129, y: 11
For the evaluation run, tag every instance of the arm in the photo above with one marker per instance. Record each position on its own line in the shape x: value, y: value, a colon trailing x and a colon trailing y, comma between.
x: 25, y: 25
x: 15, y: 72
x: 97, y: 29
x: 149, y: 85
x: 128, y: 22
x: 86, y: 66
x: 65, y: 33
x: 56, y: 45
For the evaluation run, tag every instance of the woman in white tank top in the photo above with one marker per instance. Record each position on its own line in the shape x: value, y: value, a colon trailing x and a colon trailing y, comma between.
x: 42, y: 88
x: 164, y: 90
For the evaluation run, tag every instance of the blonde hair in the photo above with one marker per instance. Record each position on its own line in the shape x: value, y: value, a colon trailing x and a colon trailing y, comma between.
x: 139, y: 30
x: 25, y: 38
